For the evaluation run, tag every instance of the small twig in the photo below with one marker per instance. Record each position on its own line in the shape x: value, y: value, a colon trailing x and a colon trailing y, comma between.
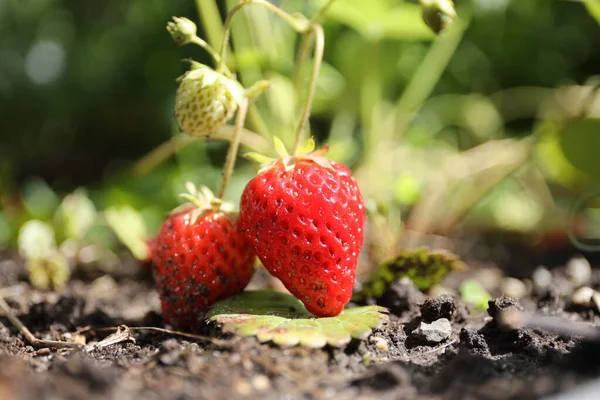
x: 161, y: 330
x: 35, y: 342
x: 122, y: 334
x: 434, y: 350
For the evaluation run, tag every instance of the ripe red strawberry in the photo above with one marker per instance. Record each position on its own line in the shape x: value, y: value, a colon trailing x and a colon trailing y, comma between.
x: 305, y: 223
x: 200, y: 257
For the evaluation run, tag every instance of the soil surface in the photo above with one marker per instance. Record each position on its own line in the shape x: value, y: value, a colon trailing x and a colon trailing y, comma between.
x: 475, y: 359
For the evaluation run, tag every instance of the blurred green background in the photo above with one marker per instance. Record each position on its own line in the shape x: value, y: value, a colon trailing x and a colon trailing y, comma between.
x: 435, y: 127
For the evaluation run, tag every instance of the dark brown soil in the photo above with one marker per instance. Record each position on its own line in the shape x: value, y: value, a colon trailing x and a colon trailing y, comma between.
x: 479, y: 360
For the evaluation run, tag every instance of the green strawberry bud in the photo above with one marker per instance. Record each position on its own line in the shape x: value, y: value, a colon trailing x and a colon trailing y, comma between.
x: 438, y: 14
x: 206, y: 100
x: 182, y: 30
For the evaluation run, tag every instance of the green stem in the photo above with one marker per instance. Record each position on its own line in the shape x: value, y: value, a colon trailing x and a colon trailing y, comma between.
x: 233, y: 148
x: 317, y: 31
x: 321, y: 14
x: 209, y: 49
x: 298, y: 24
x: 208, y: 13
x: 253, y: 141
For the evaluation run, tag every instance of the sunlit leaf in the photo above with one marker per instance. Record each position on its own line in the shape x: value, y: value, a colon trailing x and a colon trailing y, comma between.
x: 474, y: 293
x: 39, y: 199
x: 424, y: 267
x: 381, y: 19
x: 77, y: 213
x: 36, y: 240
x: 50, y: 272
x: 580, y: 142
x: 130, y: 228
x: 282, y: 319
x: 553, y: 161
x: 593, y: 8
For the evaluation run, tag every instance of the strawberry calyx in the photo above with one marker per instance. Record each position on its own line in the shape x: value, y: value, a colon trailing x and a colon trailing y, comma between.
x: 201, y: 200
x: 306, y: 152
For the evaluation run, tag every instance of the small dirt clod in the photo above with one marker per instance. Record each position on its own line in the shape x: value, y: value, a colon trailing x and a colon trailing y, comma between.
x: 401, y: 296
x: 502, y: 303
x: 438, y: 307
x: 474, y: 341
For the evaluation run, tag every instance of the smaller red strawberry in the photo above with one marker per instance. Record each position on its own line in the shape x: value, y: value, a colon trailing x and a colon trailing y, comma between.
x: 199, y: 257
x: 304, y: 215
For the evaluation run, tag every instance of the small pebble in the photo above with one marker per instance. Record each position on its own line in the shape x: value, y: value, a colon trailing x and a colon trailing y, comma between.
x: 542, y: 278
x: 579, y: 271
x: 379, y: 342
x: 513, y: 287
x: 43, y: 352
x: 261, y: 382
x: 434, y: 332
x: 242, y: 387
x: 583, y: 296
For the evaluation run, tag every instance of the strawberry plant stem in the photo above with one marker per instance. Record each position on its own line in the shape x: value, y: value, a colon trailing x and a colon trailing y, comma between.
x: 233, y: 148
x: 209, y: 49
x: 317, y: 31
x: 300, y: 25
x: 252, y: 140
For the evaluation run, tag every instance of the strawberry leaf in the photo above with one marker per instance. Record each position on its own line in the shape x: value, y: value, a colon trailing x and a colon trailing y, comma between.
x: 424, y: 267
x: 130, y: 228
x: 282, y: 319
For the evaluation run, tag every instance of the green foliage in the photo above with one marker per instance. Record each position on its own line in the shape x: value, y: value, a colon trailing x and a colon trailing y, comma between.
x: 282, y: 319
x: 424, y: 267
x: 580, y: 142
x: 128, y: 224
x: 46, y: 265
x: 472, y: 292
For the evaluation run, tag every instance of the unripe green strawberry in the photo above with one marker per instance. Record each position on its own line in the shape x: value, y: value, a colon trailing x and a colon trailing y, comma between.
x: 206, y: 100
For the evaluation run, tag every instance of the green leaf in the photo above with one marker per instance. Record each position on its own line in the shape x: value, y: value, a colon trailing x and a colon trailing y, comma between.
x: 129, y: 226
x: 282, y: 319
x: 474, y: 293
x: 381, y: 19
x: 593, y: 8
x: 580, y: 141
x: 39, y: 199
x: 77, y: 213
x: 36, y: 240
x: 424, y: 267
x: 50, y: 272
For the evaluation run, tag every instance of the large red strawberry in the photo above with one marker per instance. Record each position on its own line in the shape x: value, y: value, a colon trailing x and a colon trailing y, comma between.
x: 199, y: 257
x: 304, y: 216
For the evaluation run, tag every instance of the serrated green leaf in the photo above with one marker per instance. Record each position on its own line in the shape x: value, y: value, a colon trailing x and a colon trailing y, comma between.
x: 282, y: 319
x: 474, y: 293
x: 129, y: 226
x: 424, y: 267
